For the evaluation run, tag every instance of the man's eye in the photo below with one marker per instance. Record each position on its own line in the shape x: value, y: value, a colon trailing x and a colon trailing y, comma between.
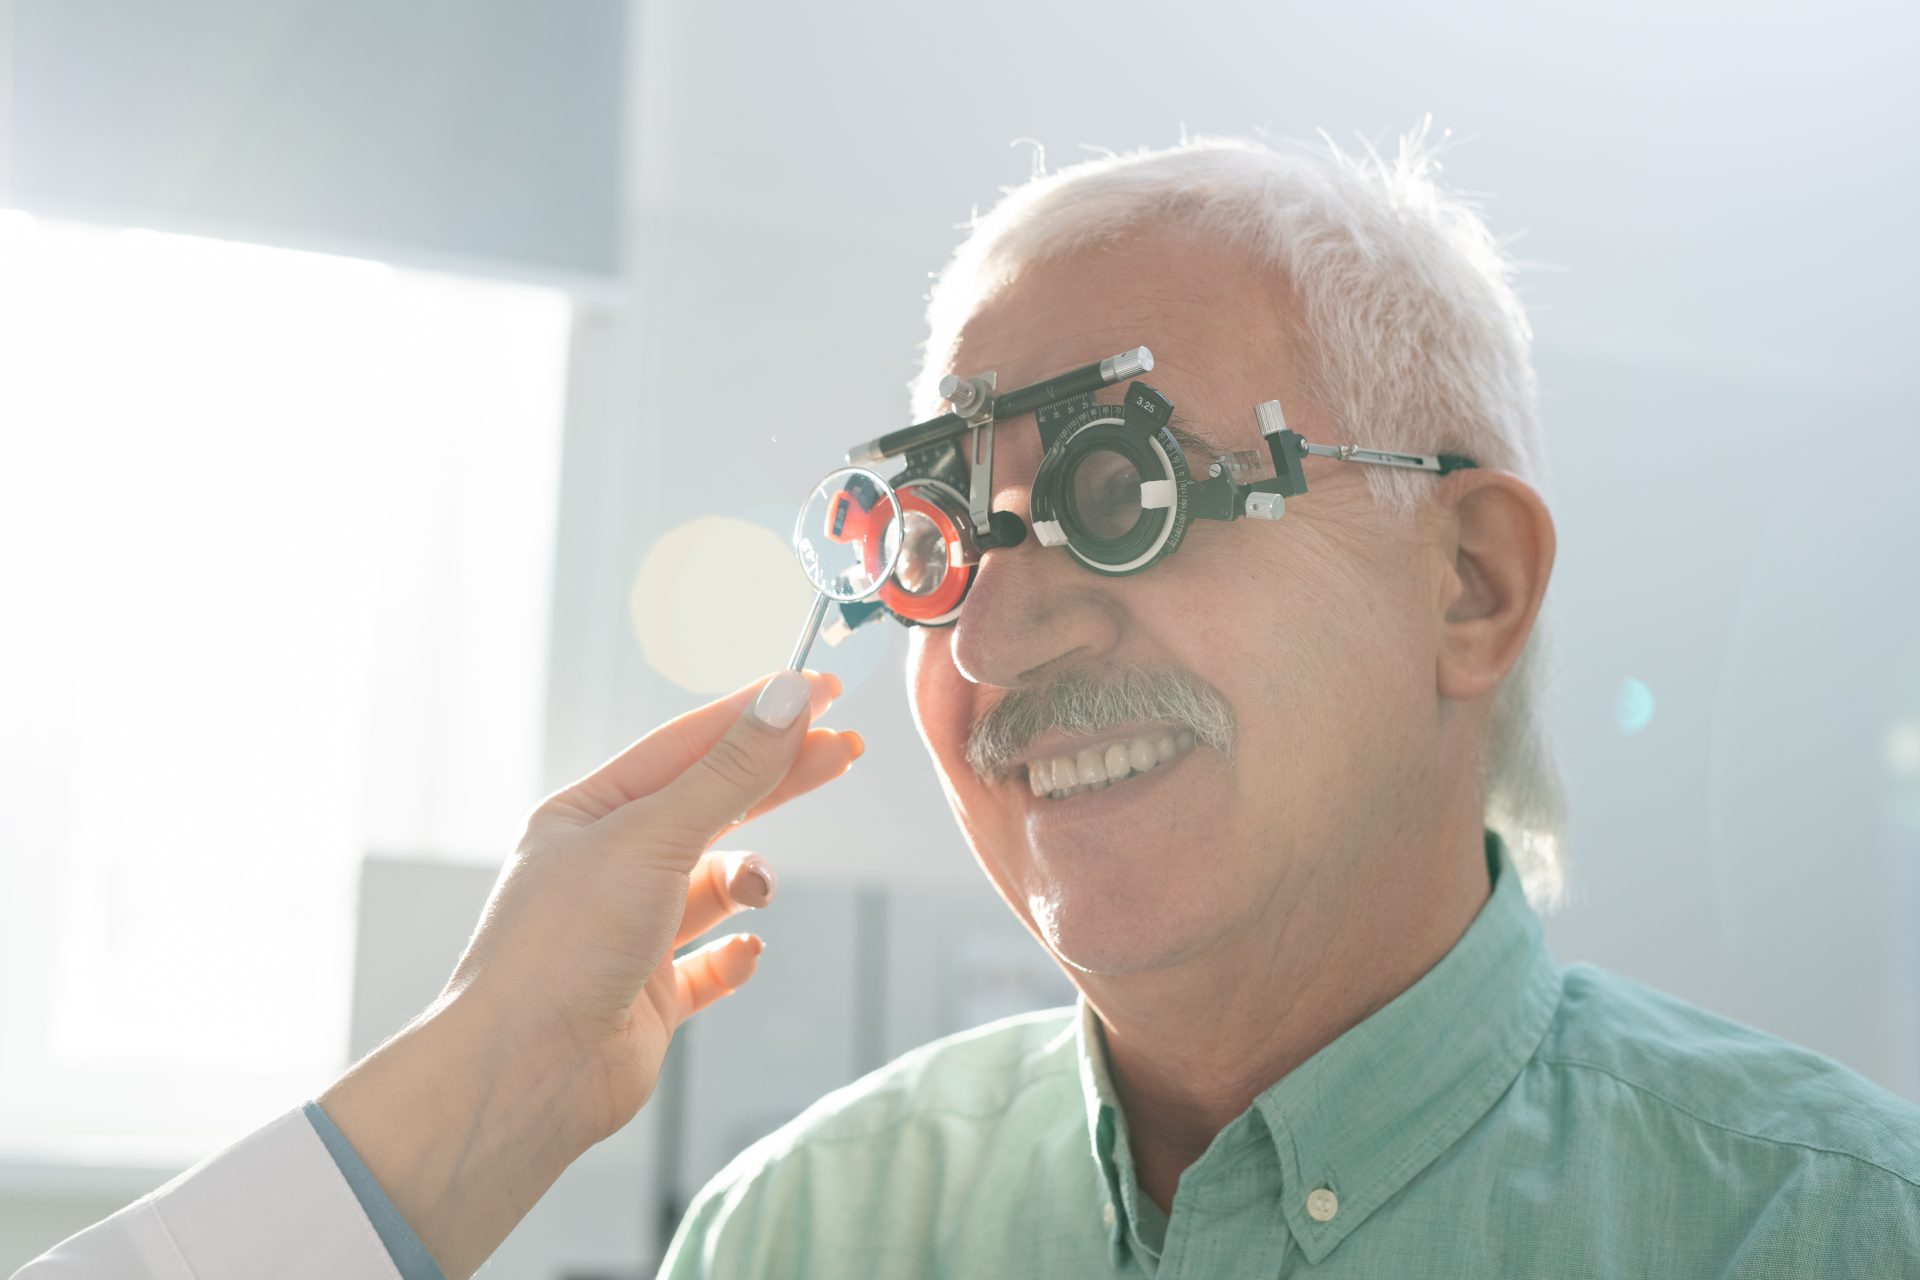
x: 1107, y: 494
x: 1124, y: 490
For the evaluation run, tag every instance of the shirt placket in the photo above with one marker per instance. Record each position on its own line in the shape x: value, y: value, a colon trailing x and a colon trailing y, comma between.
x: 1228, y: 1219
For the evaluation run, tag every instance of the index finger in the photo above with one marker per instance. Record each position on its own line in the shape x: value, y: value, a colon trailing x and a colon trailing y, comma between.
x: 670, y: 750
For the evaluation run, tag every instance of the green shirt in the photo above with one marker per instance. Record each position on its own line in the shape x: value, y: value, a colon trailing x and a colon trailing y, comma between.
x: 1502, y: 1117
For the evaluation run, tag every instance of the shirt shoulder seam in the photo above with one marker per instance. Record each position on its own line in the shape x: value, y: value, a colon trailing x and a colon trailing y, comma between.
x: 148, y: 1208
x: 1689, y: 1112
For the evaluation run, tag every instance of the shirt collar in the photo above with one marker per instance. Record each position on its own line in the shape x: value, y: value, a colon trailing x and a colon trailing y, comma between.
x: 1106, y: 1126
x: 1367, y: 1113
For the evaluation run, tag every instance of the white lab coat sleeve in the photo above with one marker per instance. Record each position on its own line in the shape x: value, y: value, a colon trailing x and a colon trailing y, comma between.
x: 273, y: 1204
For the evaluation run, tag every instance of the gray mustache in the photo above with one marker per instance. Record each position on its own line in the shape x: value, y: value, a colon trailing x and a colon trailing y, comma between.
x: 1086, y: 702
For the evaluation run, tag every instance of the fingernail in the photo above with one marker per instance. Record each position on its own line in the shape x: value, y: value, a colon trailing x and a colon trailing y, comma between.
x: 859, y: 743
x: 759, y: 944
x: 783, y: 698
x: 753, y: 884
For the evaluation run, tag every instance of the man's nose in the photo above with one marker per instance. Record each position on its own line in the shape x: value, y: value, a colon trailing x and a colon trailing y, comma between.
x: 1031, y: 613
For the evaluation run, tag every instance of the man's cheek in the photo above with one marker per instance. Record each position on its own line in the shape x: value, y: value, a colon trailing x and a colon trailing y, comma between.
x: 930, y: 695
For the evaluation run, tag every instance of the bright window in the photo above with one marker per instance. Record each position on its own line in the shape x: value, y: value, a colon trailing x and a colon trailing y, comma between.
x: 275, y: 544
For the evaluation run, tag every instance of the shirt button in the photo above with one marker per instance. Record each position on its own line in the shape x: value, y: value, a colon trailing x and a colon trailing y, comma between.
x: 1106, y: 1213
x: 1322, y: 1204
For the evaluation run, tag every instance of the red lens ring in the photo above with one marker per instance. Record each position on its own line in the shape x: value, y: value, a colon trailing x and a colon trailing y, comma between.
x: 944, y: 598
x: 873, y: 535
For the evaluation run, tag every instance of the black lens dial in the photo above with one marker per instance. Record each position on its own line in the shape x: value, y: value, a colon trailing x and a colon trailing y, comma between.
x: 1115, y: 488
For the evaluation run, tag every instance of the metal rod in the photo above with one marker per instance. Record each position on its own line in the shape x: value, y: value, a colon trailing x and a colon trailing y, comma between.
x: 1088, y: 377
x: 1379, y: 457
x: 808, y: 632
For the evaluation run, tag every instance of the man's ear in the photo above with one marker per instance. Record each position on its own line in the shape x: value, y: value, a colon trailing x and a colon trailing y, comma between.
x: 1499, y: 543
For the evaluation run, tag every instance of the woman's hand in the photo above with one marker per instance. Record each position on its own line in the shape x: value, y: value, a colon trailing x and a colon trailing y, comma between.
x: 614, y: 874
x: 551, y: 1033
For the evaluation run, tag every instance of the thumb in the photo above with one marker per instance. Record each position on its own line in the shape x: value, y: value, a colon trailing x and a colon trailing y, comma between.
x: 737, y: 772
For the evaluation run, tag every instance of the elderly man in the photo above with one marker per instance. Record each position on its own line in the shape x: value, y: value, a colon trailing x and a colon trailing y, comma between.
x: 1277, y: 806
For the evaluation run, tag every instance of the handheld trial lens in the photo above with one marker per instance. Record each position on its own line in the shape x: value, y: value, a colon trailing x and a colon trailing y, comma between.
x: 851, y: 531
x: 848, y: 543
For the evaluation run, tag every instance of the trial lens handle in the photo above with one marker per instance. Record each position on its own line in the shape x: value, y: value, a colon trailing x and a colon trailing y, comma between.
x: 809, y: 632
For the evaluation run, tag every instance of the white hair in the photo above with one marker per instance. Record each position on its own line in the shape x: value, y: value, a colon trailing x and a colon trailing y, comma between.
x: 1409, y: 336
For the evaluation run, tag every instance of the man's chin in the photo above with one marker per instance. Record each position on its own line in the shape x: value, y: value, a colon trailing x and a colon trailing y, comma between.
x: 1112, y: 940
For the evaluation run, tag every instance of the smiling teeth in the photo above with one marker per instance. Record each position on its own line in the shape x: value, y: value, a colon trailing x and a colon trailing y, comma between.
x: 1097, y: 767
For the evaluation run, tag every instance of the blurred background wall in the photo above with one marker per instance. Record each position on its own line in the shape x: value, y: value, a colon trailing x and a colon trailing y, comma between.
x: 402, y: 407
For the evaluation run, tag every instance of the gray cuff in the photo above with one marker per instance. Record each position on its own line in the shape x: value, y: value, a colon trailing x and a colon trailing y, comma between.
x: 410, y: 1257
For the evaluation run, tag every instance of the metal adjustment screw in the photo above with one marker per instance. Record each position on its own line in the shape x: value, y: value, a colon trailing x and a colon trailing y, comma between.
x: 962, y: 393
x: 1265, y: 506
x: 1272, y: 421
x: 1128, y: 364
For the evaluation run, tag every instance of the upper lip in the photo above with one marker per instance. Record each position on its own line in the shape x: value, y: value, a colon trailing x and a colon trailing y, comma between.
x: 1056, y: 742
